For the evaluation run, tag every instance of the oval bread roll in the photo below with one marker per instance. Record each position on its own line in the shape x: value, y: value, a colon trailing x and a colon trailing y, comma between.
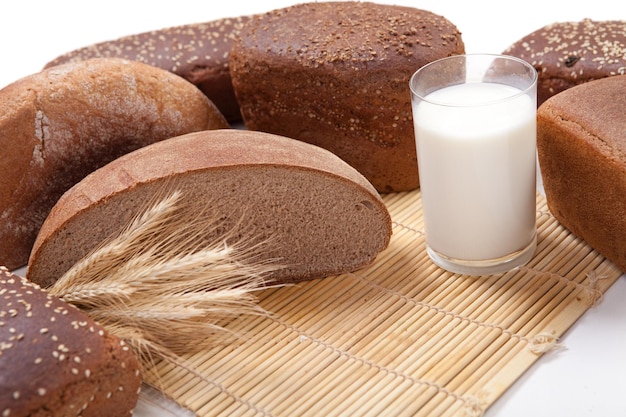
x: 318, y: 215
x: 336, y: 74
x: 566, y: 54
x: 581, y: 146
x: 56, y: 361
x: 58, y: 125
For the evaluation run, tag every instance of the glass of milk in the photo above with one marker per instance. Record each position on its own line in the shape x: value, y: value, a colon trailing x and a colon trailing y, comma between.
x: 475, y: 130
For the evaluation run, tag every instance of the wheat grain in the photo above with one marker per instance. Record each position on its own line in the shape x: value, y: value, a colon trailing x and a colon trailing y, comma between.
x: 160, y: 286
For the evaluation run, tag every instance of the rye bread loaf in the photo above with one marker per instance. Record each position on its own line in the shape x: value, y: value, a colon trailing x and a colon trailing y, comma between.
x: 581, y: 140
x: 336, y: 74
x: 55, y: 361
x: 566, y: 54
x: 312, y: 212
x: 58, y: 125
x: 197, y: 52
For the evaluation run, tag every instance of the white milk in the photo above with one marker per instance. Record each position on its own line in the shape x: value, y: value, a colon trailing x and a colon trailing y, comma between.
x: 477, y: 170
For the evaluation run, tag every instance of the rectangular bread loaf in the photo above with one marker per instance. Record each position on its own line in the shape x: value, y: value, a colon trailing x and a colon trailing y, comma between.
x: 581, y: 141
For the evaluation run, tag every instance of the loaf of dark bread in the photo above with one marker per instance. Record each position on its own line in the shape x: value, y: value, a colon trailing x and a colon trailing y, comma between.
x: 58, y: 125
x: 581, y: 140
x: 306, y: 208
x: 197, y: 52
x: 55, y: 361
x: 336, y: 74
x: 566, y: 54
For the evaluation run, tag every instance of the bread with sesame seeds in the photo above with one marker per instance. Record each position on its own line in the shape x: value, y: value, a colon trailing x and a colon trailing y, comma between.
x: 336, y: 74
x: 305, y: 208
x: 58, y: 125
x: 581, y: 143
x: 55, y: 361
x: 566, y: 54
x: 197, y: 52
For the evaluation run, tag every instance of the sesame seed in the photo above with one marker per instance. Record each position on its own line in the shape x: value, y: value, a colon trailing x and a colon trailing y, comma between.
x: 41, y: 391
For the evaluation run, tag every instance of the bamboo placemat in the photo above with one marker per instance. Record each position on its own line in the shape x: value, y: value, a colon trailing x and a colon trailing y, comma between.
x: 401, y: 337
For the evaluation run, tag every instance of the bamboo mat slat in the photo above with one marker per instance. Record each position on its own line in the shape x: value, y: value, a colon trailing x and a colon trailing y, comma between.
x: 401, y: 337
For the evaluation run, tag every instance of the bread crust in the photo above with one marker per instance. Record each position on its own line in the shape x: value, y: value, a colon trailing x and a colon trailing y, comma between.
x: 320, y: 216
x: 566, y: 54
x: 336, y: 75
x: 58, y: 125
x: 56, y: 361
x: 581, y: 143
x: 197, y: 52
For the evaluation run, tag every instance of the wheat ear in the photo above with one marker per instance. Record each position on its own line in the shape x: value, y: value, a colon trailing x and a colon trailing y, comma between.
x: 156, y: 287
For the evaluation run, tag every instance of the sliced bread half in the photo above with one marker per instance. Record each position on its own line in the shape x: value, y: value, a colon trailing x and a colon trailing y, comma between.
x: 309, y: 211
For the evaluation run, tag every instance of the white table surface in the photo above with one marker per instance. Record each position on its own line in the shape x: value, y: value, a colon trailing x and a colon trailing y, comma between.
x: 588, y: 378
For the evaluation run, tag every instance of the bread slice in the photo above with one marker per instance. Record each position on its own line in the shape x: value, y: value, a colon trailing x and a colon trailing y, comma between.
x: 56, y: 361
x: 58, y: 125
x: 581, y: 143
x: 319, y: 216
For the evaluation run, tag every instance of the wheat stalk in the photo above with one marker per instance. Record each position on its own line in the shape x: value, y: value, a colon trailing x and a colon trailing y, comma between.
x: 162, y: 288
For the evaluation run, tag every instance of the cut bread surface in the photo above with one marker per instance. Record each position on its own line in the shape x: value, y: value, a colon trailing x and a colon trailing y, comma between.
x: 305, y: 208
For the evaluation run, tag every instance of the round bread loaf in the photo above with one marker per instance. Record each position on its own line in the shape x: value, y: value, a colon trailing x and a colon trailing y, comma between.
x: 197, y: 52
x: 55, y: 361
x: 58, y: 125
x: 566, y: 54
x: 306, y: 208
x: 581, y: 142
x: 336, y: 74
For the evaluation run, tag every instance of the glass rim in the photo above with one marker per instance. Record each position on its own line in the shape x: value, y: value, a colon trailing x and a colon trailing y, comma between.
x: 532, y: 84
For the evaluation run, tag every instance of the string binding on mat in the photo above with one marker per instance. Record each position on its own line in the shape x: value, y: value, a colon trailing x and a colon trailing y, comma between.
x: 545, y: 342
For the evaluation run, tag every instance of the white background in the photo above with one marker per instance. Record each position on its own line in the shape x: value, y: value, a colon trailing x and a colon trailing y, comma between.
x: 588, y: 378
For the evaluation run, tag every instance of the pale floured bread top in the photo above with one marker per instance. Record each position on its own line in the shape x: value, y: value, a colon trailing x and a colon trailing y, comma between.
x: 58, y: 125
x: 320, y: 216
